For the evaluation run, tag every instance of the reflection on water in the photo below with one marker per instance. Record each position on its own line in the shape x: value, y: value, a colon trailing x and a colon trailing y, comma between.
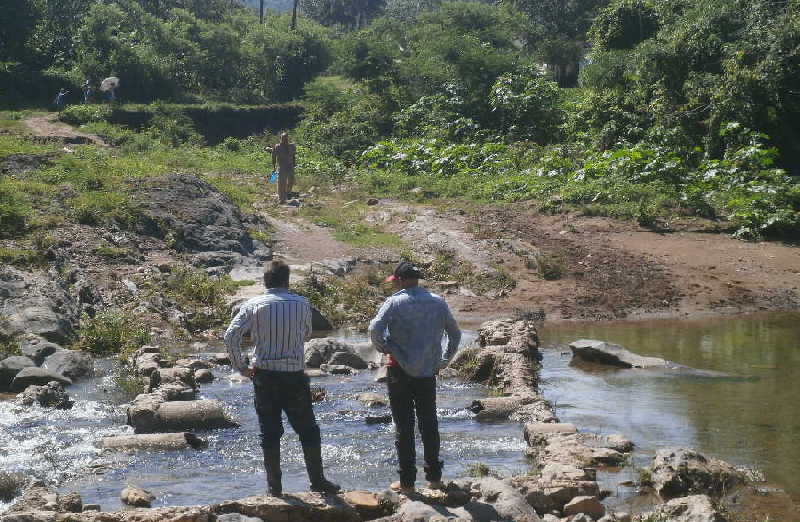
x: 752, y: 422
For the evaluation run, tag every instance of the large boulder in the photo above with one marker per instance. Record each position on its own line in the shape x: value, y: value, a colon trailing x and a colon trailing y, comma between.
x: 149, y: 413
x: 69, y: 363
x: 587, y: 505
x: 50, y: 395
x: 319, y: 351
x: 193, y: 214
x: 36, y: 376
x: 680, y: 472
x: 136, y: 496
x: 38, y: 348
x: 601, y: 352
x: 347, y: 359
x: 10, y: 367
x: 36, y: 303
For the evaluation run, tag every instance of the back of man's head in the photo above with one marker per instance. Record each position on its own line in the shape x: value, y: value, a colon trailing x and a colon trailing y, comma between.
x: 276, y: 275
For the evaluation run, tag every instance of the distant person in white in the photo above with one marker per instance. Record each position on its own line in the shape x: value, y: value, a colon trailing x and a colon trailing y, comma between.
x: 279, y: 323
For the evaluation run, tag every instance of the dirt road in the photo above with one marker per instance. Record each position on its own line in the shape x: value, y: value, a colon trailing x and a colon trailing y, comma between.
x: 47, y: 126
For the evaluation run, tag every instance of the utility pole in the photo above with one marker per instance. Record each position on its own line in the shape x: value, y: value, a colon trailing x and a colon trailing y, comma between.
x: 261, y: 12
x: 294, y: 15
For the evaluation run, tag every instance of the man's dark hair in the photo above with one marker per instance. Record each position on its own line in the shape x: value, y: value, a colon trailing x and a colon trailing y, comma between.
x: 276, y: 275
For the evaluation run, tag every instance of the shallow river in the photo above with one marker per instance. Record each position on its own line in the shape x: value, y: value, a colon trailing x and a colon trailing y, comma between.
x: 750, y: 421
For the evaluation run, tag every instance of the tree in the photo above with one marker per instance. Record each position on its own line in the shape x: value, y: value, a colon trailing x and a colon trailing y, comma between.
x: 352, y: 14
x: 16, y: 26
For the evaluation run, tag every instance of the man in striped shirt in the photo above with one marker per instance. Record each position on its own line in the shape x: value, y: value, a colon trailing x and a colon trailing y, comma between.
x: 279, y: 323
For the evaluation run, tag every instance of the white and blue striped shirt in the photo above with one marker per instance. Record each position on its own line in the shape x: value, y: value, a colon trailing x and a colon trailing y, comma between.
x: 278, y: 323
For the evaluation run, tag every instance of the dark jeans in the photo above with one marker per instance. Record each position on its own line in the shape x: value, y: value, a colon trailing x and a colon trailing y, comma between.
x: 276, y: 392
x: 408, y: 395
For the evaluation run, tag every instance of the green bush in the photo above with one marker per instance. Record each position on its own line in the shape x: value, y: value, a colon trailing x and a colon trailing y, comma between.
x: 111, y: 332
x: 97, y: 207
x: 83, y: 114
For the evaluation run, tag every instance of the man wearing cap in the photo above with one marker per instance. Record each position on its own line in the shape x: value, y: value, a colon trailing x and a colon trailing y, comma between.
x: 415, y: 321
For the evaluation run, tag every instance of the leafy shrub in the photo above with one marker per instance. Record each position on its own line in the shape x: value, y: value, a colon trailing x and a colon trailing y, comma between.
x: 110, y: 332
x: 83, y: 114
x: 201, y: 296
x: 527, y: 104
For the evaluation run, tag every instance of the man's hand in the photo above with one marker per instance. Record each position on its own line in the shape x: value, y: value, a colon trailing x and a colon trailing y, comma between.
x: 249, y: 372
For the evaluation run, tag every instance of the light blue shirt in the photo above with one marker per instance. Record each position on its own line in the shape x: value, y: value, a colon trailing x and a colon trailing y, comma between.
x: 416, y: 321
x: 278, y: 323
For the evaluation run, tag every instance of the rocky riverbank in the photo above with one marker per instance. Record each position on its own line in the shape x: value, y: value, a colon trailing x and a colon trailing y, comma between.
x: 560, y: 486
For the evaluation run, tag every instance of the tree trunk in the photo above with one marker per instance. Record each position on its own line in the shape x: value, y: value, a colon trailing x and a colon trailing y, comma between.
x: 294, y: 15
x: 261, y: 12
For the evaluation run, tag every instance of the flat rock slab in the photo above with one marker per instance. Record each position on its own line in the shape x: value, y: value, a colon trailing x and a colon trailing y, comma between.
x: 164, y: 441
x: 601, y: 352
x: 39, y: 376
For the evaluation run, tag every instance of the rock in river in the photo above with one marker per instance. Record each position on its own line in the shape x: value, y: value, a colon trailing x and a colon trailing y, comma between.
x: 161, y: 441
x: 10, y: 367
x: 601, y: 352
x: 33, y: 375
x: 679, y: 472
x: 50, y: 395
x: 69, y: 363
x: 149, y: 413
x: 136, y: 496
x: 38, y: 348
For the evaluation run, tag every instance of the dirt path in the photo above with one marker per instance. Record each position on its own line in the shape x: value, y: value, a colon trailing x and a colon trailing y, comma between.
x: 48, y: 127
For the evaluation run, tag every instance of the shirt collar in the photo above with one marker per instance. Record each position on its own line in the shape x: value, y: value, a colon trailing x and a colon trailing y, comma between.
x: 277, y: 290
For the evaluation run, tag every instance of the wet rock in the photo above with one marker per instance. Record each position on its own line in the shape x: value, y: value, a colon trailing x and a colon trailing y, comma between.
x: 160, y: 441
x: 318, y: 393
x: 193, y: 364
x: 680, y: 472
x: 501, y: 408
x: 509, y: 503
x: 37, y: 303
x: 537, y: 428
x: 50, y: 395
x: 315, y: 372
x: 150, y: 414
x: 338, y: 369
x: 695, y: 508
x: 91, y: 507
x: 347, y: 358
x: 176, y: 391
x: 39, y: 503
x: 10, y: 367
x: 69, y: 363
x: 297, y: 507
x: 222, y: 359
x: 147, y: 359
x: 601, y: 352
x: 39, y: 376
x: 383, y: 374
x: 378, y: 419
x: 371, y: 399
x: 70, y: 503
x: 171, y: 375
x: 236, y: 517
x: 203, y: 376
x: 368, y: 504
x: 37, y: 348
x: 319, y: 351
x: 11, y: 485
x: 587, y: 505
x: 136, y: 496
x: 193, y: 213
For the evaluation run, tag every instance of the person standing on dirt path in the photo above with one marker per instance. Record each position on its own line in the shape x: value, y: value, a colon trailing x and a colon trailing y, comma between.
x: 279, y: 323
x: 61, y: 97
x: 284, y: 156
x: 415, y: 321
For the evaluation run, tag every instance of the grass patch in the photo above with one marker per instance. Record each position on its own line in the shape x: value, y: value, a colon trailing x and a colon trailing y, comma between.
x: 349, y: 225
x: 112, y: 332
x: 201, y: 296
x: 446, y: 266
x: 21, y: 257
x: 352, y: 301
x: 550, y: 268
x: 112, y: 252
x: 478, y: 469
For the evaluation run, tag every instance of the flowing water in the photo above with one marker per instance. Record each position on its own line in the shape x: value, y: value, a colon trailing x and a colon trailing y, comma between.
x: 750, y: 419
x: 357, y: 455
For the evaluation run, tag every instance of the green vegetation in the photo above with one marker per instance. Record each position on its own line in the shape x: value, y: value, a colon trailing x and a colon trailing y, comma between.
x: 446, y: 266
x: 478, y: 469
x: 111, y: 332
x: 200, y: 296
x: 348, y: 224
x: 23, y: 257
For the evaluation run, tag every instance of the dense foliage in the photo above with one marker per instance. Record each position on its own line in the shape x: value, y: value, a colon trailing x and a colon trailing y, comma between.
x: 632, y: 108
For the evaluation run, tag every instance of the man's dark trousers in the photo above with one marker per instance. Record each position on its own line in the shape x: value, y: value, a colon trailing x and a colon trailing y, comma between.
x: 276, y: 392
x: 409, y: 395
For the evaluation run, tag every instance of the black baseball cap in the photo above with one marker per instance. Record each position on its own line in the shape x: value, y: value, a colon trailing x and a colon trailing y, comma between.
x: 405, y: 270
